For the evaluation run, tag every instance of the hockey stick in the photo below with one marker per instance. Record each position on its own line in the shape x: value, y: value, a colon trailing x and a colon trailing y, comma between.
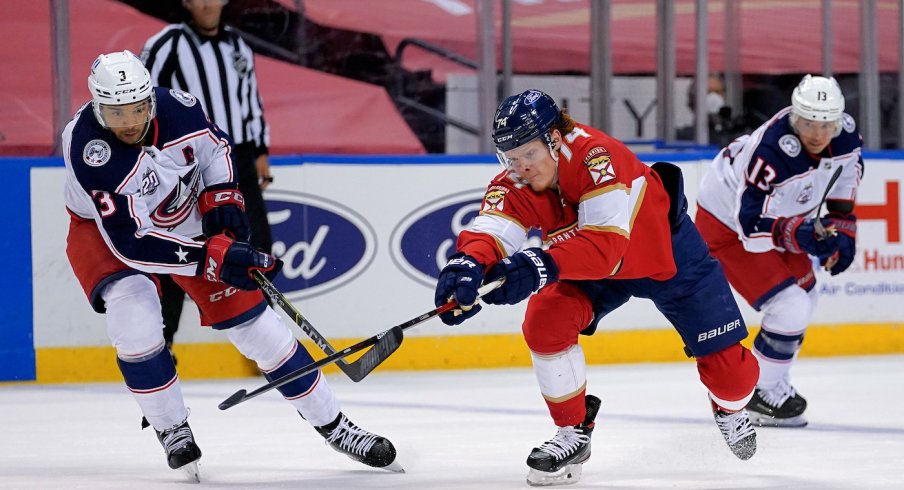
x: 817, y: 224
x: 385, y: 343
x: 356, y: 371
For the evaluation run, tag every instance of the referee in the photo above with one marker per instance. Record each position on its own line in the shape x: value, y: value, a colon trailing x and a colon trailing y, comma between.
x: 209, y: 60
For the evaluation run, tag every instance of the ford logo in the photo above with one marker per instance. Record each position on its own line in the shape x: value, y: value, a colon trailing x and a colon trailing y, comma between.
x: 323, y: 244
x: 420, y: 245
x: 422, y: 242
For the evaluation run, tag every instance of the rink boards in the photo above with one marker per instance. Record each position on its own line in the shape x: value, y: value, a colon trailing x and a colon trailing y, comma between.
x: 363, y: 239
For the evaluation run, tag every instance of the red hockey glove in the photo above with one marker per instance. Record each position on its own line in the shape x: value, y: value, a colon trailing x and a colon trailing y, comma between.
x: 231, y: 262
x: 223, y: 211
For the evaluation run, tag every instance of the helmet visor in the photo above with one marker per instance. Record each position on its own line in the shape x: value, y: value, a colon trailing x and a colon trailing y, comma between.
x: 127, y: 115
x: 509, y: 167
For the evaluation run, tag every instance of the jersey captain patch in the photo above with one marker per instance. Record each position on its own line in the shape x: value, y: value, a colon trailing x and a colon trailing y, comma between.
x: 97, y: 153
x: 185, y: 98
x: 494, y: 201
x: 600, y: 165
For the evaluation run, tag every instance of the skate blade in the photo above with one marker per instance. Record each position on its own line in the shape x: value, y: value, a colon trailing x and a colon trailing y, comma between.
x: 394, y: 467
x: 565, y: 476
x: 192, y: 471
x: 761, y: 420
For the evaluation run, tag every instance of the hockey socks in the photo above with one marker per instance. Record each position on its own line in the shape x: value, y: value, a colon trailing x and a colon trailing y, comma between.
x: 155, y: 386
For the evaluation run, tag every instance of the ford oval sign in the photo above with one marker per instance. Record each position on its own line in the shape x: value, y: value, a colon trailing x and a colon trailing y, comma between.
x: 421, y: 243
x: 322, y: 243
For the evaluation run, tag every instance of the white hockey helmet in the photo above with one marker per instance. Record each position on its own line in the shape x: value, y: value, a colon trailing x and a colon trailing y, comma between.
x: 118, y: 79
x: 818, y: 99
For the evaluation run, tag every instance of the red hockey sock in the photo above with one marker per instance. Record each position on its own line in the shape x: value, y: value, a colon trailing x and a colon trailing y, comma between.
x: 568, y: 412
x: 730, y: 374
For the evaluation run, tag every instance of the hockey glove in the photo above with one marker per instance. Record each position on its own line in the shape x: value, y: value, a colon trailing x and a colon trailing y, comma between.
x: 844, y: 226
x: 525, y: 272
x: 797, y: 235
x: 223, y: 211
x: 459, y: 280
x: 226, y: 260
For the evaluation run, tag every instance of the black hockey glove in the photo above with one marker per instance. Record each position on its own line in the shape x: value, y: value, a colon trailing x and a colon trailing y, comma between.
x: 222, y: 209
x: 525, y: 272
x: 226, y: 260
x: 459, y: 280
x: 797, y: 235
x: 844, y: 226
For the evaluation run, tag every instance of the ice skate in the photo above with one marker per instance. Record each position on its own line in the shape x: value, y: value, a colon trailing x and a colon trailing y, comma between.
x: 360, y: 445
x: 781, y: 406
x: 737, y: 431
x: 181, y: 451
x: 559, y: 460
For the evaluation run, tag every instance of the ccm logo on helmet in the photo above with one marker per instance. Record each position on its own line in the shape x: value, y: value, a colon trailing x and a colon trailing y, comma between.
x: 123, y: 92
x: 728, y: 327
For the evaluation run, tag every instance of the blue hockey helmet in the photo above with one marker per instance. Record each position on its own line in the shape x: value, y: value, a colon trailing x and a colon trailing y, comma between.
x: 524, y: 117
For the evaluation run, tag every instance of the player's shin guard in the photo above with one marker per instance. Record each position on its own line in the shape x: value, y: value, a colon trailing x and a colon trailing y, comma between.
x: 562, y: 379
x: 311, y: 395
x: 776, y: 403
x: 270, y: 343
x: 153, y: 382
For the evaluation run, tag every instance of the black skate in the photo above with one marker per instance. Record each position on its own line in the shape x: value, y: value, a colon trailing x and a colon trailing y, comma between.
x: 737, y: 431
x: 359, y: 444
x: 181, y: 451
x: 558, y: 461
x: 778, y: 407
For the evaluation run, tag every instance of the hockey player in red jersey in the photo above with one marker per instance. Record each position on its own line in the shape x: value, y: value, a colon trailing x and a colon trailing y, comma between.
x: 615, y: 228
x: 150, y: 189
x: 757, y: 211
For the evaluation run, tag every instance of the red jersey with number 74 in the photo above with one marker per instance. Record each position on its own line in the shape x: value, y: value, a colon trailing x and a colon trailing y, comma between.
x: 607, y: 219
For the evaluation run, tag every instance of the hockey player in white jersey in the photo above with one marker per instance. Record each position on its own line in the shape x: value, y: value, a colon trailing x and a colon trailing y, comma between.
x: 757, y: 211
x: 151, y: 189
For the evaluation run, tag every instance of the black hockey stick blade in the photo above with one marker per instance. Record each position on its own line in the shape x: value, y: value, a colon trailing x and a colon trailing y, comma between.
x: 355, y: 371
x: 392, y: 337
x: 384, y: 344
x: 817, y: 224
x: 234, y: 399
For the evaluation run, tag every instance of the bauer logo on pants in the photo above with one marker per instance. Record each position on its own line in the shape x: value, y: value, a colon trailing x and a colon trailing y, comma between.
x: 322, y: 243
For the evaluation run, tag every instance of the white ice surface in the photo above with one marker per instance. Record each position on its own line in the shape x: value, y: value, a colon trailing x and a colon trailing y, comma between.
x: 466, y: 430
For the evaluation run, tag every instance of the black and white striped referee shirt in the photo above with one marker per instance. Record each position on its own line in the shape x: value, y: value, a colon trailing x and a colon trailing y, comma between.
x: 219, y: 71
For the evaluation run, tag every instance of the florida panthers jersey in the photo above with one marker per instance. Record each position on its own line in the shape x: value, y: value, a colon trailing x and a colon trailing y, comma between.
x: 770, y: 174
x: 608, y: 218
x: 144, y: 198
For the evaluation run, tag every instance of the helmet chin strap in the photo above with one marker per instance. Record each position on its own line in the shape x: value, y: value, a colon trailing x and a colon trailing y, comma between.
x: 147, y: 127
x: 554, y: 154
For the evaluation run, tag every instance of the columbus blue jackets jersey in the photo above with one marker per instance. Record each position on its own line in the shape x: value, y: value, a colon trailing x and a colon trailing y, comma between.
x: 144, y: 198
x: 769, y: 174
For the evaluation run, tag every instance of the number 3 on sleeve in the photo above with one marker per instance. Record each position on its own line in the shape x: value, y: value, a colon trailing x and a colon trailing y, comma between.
x: 104, y: 202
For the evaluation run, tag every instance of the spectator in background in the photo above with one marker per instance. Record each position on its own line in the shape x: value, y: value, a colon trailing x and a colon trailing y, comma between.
x: 212, y: 62
x: 718, y: 114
